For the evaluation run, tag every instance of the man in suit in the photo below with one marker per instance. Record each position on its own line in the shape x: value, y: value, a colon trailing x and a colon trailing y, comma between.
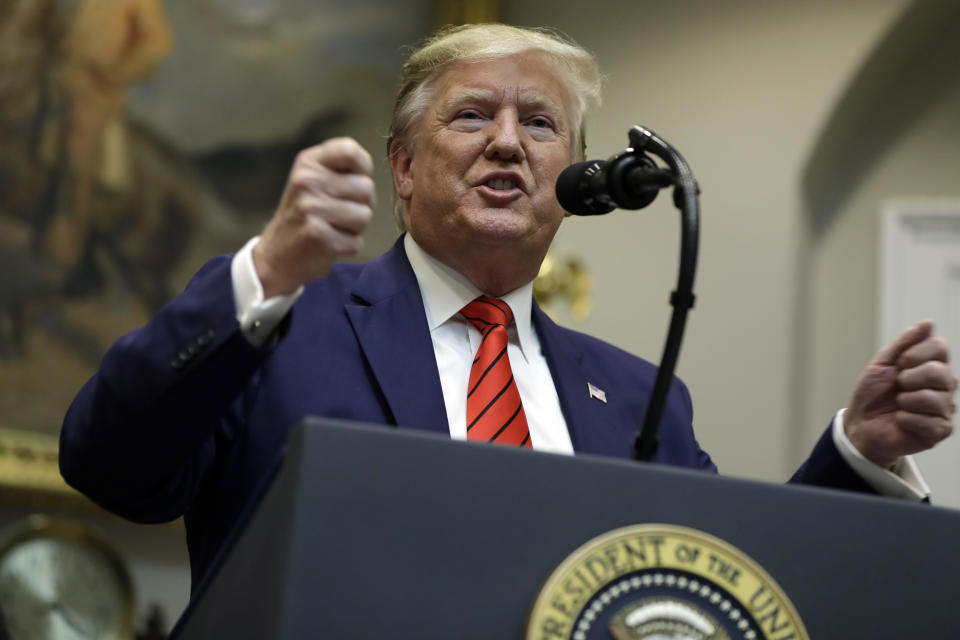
x: 188, y: 414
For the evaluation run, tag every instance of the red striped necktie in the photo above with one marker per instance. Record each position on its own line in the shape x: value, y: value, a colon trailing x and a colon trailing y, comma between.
x: 494, y: 410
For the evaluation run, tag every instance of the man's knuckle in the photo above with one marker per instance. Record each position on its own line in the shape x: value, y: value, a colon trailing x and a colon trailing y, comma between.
x: 948, y: 428
x: 299, y: 205
x: 317, y: 230
x: 346, y: 245
x: 342, y: 146
x: 365, y: 215
x: 939, y: 431
x: 302, y: 178
x: 941, y: 369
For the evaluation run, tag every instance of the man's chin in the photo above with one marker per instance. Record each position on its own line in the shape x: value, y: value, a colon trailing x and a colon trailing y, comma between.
x: 501, y: 232
x: 505, y: 223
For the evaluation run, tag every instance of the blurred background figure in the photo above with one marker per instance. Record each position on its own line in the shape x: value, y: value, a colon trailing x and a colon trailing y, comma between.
x: 107, y: 45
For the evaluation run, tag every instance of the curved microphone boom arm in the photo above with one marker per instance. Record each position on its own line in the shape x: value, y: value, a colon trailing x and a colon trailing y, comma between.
x: 631, y: 180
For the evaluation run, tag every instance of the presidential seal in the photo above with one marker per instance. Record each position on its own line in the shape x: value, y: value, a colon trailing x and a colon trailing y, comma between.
x: 661, y: 582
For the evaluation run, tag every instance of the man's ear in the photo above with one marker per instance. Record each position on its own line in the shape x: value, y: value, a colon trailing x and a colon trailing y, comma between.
x: 401, y: 166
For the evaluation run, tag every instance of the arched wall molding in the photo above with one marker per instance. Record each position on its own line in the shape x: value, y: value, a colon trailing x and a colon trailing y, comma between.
x: 910, y: 71
x: 914, y: 66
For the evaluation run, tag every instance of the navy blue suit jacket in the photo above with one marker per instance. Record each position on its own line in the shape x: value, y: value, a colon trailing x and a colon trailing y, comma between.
x: 186, y: 417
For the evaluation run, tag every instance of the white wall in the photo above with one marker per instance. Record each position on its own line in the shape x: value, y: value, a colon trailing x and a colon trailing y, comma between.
x: 741, y: 88
x: 924, y: 161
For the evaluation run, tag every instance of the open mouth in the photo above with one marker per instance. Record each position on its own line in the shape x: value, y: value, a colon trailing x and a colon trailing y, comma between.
x: 501, y: 184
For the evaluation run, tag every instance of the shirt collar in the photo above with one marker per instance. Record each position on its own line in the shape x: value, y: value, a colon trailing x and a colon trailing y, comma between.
x: 445, y: 292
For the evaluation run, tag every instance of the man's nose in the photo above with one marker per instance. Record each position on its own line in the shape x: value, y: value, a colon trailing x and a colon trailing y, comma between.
x: 505, y: 139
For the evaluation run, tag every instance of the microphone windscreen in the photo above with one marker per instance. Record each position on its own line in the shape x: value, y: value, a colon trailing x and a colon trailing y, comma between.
x: 574, y: 191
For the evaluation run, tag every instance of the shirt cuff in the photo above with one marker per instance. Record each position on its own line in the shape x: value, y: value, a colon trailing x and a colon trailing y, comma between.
x: 258, y: 318
x: 903, y: 480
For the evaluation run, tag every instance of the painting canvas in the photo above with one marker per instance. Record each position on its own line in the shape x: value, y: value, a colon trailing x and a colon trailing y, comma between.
x: 138, y: 138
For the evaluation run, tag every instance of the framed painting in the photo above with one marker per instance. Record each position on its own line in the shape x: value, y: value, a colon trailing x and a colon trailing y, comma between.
x: 139, y: 138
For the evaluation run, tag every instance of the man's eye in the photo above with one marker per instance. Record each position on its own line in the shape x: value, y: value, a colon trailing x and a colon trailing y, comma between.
x: 469, y: 115
x: 541, y: 123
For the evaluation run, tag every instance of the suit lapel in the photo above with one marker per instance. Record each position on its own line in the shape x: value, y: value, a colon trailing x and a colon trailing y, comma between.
x: 595, y: 426
x: 388, y: 319
x: 391, y: 327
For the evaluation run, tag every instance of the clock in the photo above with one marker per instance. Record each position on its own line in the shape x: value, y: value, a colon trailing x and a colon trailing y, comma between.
x: 60, y: 580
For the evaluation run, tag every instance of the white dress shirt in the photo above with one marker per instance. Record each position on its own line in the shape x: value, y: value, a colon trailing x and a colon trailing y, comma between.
x: 455, y: 341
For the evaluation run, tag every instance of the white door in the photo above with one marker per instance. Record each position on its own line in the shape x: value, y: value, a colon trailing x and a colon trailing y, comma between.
x: 920, y: 261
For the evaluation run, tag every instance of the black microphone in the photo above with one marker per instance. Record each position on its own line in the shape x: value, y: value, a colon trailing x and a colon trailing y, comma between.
x: 629, y: 181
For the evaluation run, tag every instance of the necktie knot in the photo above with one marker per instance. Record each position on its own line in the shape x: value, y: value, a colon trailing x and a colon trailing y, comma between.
x: 486, y: 312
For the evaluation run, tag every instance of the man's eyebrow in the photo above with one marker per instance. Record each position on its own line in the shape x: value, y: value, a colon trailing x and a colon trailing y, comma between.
x: 469, y: 95
x: 540, y: 102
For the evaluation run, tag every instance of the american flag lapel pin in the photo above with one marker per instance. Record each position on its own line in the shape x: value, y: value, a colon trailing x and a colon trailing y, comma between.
x: 597, y: 392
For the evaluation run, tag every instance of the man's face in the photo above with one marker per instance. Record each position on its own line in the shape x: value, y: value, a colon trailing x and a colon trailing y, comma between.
x: 480, y: 177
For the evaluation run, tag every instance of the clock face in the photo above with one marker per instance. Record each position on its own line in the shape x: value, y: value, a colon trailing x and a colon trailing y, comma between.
x: 60, y: 583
